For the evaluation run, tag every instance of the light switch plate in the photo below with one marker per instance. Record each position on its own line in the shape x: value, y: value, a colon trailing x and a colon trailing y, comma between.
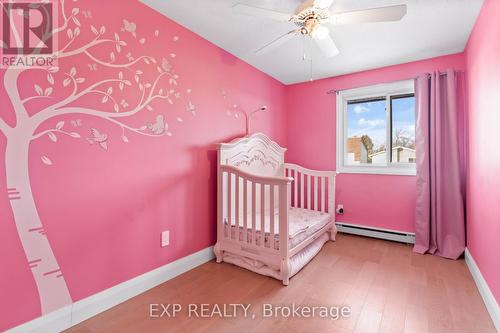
x: 165, y: 238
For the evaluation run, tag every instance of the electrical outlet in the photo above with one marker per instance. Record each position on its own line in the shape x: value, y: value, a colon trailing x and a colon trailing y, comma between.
x: 340, y: 209
x: 165, y: 238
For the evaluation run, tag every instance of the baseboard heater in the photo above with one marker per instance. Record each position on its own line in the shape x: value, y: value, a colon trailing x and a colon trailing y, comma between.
x: 393, y: 235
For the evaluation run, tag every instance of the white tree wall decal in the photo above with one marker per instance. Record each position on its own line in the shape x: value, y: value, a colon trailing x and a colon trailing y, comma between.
x: 129, y: 74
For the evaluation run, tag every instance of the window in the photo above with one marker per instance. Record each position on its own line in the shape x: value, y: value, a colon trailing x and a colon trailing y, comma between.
x: 376, y: 129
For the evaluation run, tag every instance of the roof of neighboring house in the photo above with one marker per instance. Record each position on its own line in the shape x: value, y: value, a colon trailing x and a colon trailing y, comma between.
x: 397, y: 147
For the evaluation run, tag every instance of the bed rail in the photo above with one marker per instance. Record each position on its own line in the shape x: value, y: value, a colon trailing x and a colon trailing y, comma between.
x: 244, y: 201
x: 312, y: 189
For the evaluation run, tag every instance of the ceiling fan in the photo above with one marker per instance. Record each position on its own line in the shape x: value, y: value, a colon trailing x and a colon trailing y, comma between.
x: 313, y: 19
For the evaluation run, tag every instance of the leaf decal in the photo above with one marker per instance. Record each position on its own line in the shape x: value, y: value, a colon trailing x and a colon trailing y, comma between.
x: 74, y: 135
x: 94, y: 30
x: 125, y: 139
x: 38, y: 90
x: 48, y: 91
x: 46, y: 160
x: 60, y: 125
x: 52, y: 136
x: 50, y: 78
x: 76, y: 21
x: 66, y: 82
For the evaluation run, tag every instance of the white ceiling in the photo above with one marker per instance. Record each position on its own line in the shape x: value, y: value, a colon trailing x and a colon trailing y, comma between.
x: 430, y: 28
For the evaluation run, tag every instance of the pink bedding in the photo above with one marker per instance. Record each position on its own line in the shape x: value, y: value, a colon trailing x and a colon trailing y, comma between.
x: 302, y: 223
x: 297, y: 262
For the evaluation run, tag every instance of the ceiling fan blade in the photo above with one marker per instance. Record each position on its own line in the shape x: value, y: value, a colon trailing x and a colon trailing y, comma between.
x: 327, y: 46
x: 312, y: 3
x: 304, y: 5
x: 277, y: 42
x: 323, y: 3
x: 380, y: 14
x: 240, y: 8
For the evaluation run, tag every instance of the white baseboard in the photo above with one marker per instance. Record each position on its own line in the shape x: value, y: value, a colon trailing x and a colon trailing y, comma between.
x: 393, y: 235
x: 484, y: 290
x: 77, y: 312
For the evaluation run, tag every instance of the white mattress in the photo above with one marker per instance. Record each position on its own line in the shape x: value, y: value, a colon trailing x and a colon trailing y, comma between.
x: 302, y: 223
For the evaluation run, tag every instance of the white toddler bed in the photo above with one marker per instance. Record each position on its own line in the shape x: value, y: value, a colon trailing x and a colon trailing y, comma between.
x: 272, y: 217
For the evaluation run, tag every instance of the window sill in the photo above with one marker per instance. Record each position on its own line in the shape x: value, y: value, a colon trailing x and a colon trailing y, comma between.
x: 395, y: 171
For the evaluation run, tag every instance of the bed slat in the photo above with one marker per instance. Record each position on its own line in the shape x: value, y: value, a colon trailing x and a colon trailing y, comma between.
x: 245, y: 210
x: 323, y: 190
x: 315, y: 193
x: 237, y: 206
x: 309, y: 205
x: 302, y: 191
x: 229, y: 203
x: 295, y: 181
x: 271, y: 217
x: 262, y: 215
x: 254, y: 213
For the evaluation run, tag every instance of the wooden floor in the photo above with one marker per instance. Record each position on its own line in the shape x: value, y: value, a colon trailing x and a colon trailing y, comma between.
x: 387, y: 286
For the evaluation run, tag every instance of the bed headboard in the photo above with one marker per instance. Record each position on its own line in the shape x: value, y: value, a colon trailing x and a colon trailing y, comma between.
x: 256, y: 154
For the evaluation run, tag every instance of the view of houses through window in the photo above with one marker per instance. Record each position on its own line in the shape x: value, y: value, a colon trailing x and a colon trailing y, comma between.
x: 370, y: 131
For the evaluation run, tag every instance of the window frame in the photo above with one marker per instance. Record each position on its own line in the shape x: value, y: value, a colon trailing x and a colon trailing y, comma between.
x: 387, y: 90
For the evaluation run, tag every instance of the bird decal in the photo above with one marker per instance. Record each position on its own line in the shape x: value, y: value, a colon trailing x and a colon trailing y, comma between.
x: 159, y: 126
x: 99, y: 138
x: 129, y: 27
x: 191, y: 108
x: 166, y: 65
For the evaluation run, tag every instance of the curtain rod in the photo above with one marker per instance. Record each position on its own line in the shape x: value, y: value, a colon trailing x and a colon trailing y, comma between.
x: 334, y: 91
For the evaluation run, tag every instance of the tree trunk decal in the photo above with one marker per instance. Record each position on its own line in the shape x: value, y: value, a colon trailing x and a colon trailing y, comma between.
x: 41, y: 260
x: 129, y: 74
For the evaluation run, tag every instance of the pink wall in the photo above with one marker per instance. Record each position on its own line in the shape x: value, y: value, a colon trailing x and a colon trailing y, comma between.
x: 103, y: 210
x: 372, y: 200
x: 482, y: 57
